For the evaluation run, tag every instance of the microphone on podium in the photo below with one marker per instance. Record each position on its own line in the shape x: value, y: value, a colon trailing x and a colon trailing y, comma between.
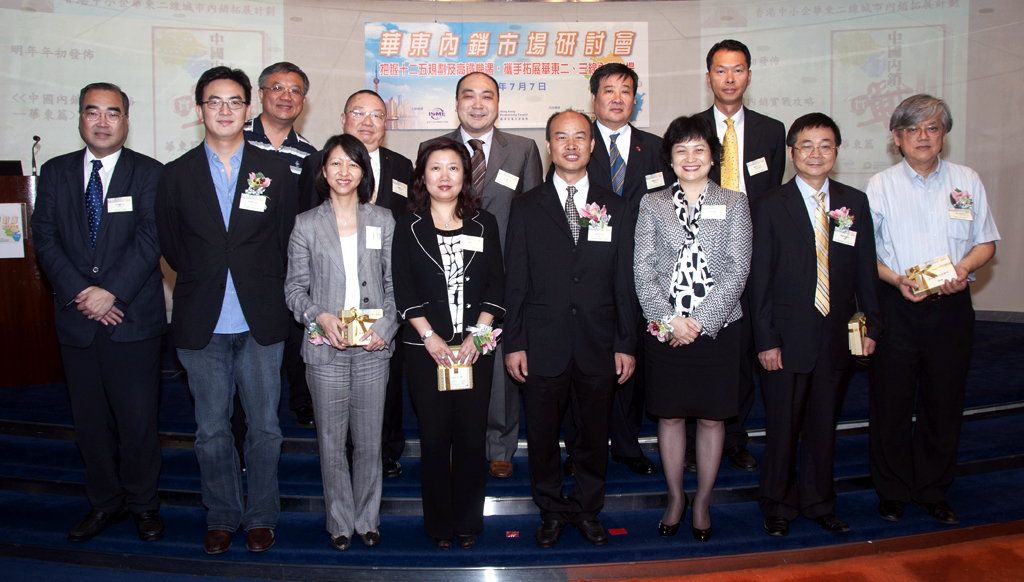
x: 35, y: 144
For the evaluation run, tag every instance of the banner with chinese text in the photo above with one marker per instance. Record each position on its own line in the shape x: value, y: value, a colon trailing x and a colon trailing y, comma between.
x: 540, y: 67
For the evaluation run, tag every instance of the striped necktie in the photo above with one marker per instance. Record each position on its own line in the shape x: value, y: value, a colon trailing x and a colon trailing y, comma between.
x: 479, y: 163
x: 821, y: 252
x: 571, y: 214
x: 730, y: 158
x: 618, y: 166
x: 94, y: 201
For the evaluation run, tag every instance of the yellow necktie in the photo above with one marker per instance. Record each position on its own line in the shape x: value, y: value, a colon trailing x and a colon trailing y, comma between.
x: 730, y: 158
x: 821, y: 251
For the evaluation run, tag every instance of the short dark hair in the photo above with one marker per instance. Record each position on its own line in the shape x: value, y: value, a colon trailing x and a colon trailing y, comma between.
x: 686, y: 129
x: 363, y: 92
x: 547, y: 128
x: 612, y: 70
x: 103, y: 87
x: 356, y: 151
x: 218, y: 73
x: 812, y: 120
x: 284, y: 67
x: 728, y: 45
x: 458, y: 86
x: 467, y: 202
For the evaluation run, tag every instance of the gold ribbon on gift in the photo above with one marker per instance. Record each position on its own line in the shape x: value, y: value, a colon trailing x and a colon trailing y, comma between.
x: 857, y: 330
x: 357, y: 323
x: 932, y: 274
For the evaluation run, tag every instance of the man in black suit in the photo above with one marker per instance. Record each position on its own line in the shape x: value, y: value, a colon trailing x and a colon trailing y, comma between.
x: 224, y: 213
x: 760, y: 162
x: 810, y: 272
x: 570, y: 329
x: 504, y: 166
x: 627, y: 161
x: 104, y: 266
x: 365, y: 117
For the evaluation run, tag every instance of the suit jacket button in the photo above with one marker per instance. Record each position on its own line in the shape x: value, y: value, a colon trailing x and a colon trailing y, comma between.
x: 364, y: 283
x: 466, y: 278
x: 366, y: 299
x: 575, y: 279
x: 95, y: 270
x: 574, y: 311
x: 468, y: 305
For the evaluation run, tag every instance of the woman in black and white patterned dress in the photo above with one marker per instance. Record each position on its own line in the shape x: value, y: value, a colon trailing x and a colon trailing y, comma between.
x: 693, y: 244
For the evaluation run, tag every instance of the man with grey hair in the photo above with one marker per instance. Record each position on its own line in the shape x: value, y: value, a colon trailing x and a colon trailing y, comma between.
x: 923, y: 207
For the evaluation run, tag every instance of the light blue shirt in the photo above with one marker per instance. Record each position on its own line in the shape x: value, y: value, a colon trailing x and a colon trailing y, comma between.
x: 231, y: 319
x: 911, y: 215
x: 810, y: 197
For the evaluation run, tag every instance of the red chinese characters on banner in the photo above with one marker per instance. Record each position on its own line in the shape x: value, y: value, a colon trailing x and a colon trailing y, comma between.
x: 593, y: 43
x: 565, y: 42
x: 449, y: 46
x: 508, y: 44
x: 419, y: 44
x: 537, y: 44
x: 390, y: 43
x: 478, y: 42
x: 622, y: 45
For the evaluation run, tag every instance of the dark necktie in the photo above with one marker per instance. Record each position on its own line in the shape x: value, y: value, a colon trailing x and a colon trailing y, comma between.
x: 571, y: 214
x: 94, y: 201
x: 479, y: 163
x: 618, y: 166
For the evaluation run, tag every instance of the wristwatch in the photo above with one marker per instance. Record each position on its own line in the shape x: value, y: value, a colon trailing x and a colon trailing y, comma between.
x: 427, y: 334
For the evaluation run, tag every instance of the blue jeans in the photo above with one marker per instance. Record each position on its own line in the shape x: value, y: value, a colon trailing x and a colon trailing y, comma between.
x: 231, y: 360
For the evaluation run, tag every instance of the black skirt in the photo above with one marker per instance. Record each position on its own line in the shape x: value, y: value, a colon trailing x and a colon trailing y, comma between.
x: 699, y: 380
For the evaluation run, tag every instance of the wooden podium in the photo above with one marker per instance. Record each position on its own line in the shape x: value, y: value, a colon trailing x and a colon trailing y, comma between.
x: 29, y: 353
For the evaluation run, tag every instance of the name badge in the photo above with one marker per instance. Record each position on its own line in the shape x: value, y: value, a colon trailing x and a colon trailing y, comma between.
x: 713, y: 211
x: 757, y: 166
x: 373, y: 240
x: 507, y: 180
x: 400, y: 188
x: 473, y: 243
x: 124, y: 204
x: 955, y: 214
x: 254, y: 202
x: 599, y: 234
x: 845, y: 237
x: 655, y: 180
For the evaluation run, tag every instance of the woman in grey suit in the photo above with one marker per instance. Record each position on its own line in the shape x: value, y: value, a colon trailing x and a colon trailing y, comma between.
x: 693, y: 243
x: 339, y: 257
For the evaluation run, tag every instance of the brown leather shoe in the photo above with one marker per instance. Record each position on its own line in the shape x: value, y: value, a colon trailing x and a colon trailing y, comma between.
x: 217, y: 541
x: 259, y: 539
x: 501, y: 469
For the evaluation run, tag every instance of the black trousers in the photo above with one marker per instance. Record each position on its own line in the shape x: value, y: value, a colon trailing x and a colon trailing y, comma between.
x: 453, y: 427
x: 546, y: 400
x: 393, y: 437
x: 919, y: 367
x: 294, y: 369
x: 800, y: 415
x: 114, y: 389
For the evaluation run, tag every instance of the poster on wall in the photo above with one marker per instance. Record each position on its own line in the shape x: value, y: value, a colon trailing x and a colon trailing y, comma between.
x: 540, y: 67
x: 12, y: 231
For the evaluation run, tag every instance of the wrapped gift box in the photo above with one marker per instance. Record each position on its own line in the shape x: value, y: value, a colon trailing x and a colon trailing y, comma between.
x: 857, y: 330
x: 457, y: 377
x: 357, y: 322
x: 932, y: 274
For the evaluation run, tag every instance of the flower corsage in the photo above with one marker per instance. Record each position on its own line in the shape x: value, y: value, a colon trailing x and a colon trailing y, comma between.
x: 258, y: 183
x: 961, y: 200
x: 842, y: 218
x: 485, y: 338
x: 315, y: 334
x: 660, y: 329
x: 594, y: 216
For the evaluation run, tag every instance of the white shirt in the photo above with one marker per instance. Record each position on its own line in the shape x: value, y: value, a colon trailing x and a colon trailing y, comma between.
x: 737, y: 124
x: 106, y: 172
x: 582, y: 189
x: 350, y: 261
x: 621, y: 142
x: 375, y: 167
x: 810, y: 197
x: 486, y: 138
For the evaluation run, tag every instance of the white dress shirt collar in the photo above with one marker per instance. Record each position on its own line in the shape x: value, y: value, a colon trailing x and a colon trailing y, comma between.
x: 622, y: 142
x: 582, y: 190
x: 487, y: 138
x: 106, y: 172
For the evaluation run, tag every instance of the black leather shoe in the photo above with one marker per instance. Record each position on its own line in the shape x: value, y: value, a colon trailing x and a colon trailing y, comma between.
x: 548, y: 533
x: 304, y: 417
x: 741, y: 458
x: 149, y: 525
x: 466, y: 542
x: 942, y: 512
x: 392, y: 469
x: 890, y: 509
x: 568, y: 469
x: 370, y: 538
x: 639, y: 465
x: 830, y: 523
x: 593, y: 531
x: 341, y: 543
x: 776, y: 526
x: 667, y: 531
x: 691, y: 466
x: 94, y: 523
x: 443, y: 544
x: 701, y: 535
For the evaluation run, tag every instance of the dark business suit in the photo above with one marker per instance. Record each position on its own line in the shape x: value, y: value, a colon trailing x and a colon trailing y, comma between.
x: 394, y: 167
x: 519, y: 157
x: 112, y: 372
x: 644, y: 159
x: 452, y: 424
x: 763, y: 137
x: 802, y: 400
x: 570, y: 308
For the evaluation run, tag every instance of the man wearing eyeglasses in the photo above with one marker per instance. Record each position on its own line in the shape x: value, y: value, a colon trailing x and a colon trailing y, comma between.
x: 95, y: 236
x: 813, y: 265
x: 365, y: 118
x: 923, y: 207
x: 224, y: 214
x: 283, y: 89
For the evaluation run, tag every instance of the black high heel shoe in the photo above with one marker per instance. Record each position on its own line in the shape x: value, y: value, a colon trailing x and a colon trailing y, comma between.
x: 702, y: 535
x: 667, y: 531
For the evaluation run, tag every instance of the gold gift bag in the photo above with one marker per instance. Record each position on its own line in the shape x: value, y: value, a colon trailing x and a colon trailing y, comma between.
x: 932, y: 274
x: 357, y: 322
x: 458, y: 377
x: 856, y: 330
